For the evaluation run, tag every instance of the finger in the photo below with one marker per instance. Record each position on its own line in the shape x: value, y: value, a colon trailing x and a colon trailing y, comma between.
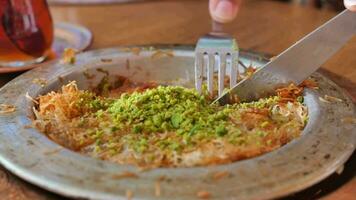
x: 224, y: 10
x: 350, y: 4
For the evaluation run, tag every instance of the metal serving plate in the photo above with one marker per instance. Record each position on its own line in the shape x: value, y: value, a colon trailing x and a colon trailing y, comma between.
x: 327, y: 142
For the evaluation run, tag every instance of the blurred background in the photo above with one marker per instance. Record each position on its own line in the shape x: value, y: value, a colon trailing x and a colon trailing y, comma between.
x: 322, y: 4
x: 325, y: 4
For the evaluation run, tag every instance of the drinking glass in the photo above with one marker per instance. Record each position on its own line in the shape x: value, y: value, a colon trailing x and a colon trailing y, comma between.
x: 26, y: 32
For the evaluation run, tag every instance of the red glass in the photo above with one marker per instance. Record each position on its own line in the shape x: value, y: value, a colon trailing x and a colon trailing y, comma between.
x: 26, y: 31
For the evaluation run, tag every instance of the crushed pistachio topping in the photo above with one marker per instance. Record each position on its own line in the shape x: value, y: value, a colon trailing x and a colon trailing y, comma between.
x: 186, y: 116
x: 169, y: 109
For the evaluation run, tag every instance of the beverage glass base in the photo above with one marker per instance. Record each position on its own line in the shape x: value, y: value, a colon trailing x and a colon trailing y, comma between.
x: 22, y: 63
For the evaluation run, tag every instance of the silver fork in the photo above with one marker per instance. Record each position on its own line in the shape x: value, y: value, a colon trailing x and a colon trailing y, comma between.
x: 216, y: 50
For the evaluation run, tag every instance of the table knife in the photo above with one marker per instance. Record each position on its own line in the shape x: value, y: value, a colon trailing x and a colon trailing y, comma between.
x: 298, y: 62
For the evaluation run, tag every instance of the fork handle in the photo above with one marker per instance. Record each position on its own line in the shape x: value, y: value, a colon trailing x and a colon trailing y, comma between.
x: 217, y: 28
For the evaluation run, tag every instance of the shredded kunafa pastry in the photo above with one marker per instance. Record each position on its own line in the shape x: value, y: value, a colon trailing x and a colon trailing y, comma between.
x: 167, y: 126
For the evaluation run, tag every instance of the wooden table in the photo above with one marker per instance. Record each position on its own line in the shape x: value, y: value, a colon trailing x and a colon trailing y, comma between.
x: 264, y: 26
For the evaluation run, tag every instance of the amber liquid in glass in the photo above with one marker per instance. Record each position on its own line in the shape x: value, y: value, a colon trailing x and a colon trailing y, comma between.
x: 26, y: 30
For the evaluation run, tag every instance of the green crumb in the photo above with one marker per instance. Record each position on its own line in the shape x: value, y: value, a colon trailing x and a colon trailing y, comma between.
x: 176, y: 119
x: 137, y: 128
x: 221, y: 130
x: 264, y: 124
x: 300, y: 99
x: 261, y: 133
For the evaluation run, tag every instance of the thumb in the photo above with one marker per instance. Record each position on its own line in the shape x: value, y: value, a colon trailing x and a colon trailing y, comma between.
x: 350, y: 4
x: 224, y: 11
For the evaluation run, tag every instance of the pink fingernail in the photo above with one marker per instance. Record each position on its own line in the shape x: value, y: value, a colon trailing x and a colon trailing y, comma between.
x: 224, y: 10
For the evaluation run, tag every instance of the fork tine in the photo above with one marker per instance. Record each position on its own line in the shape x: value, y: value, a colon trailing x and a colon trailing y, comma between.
x: 210, y: 73
x: 222, y: 72
x: 234, y: 69
x: 198, y: 70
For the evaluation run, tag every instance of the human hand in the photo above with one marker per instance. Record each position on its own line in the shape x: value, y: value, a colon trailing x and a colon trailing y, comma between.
x: 224, y: 11
x: 350, y: 4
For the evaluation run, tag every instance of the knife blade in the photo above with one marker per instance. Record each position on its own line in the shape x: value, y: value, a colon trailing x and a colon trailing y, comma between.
x: 298, y: 62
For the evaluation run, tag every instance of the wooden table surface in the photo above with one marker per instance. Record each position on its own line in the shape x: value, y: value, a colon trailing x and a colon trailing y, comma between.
x: 263, y: 26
